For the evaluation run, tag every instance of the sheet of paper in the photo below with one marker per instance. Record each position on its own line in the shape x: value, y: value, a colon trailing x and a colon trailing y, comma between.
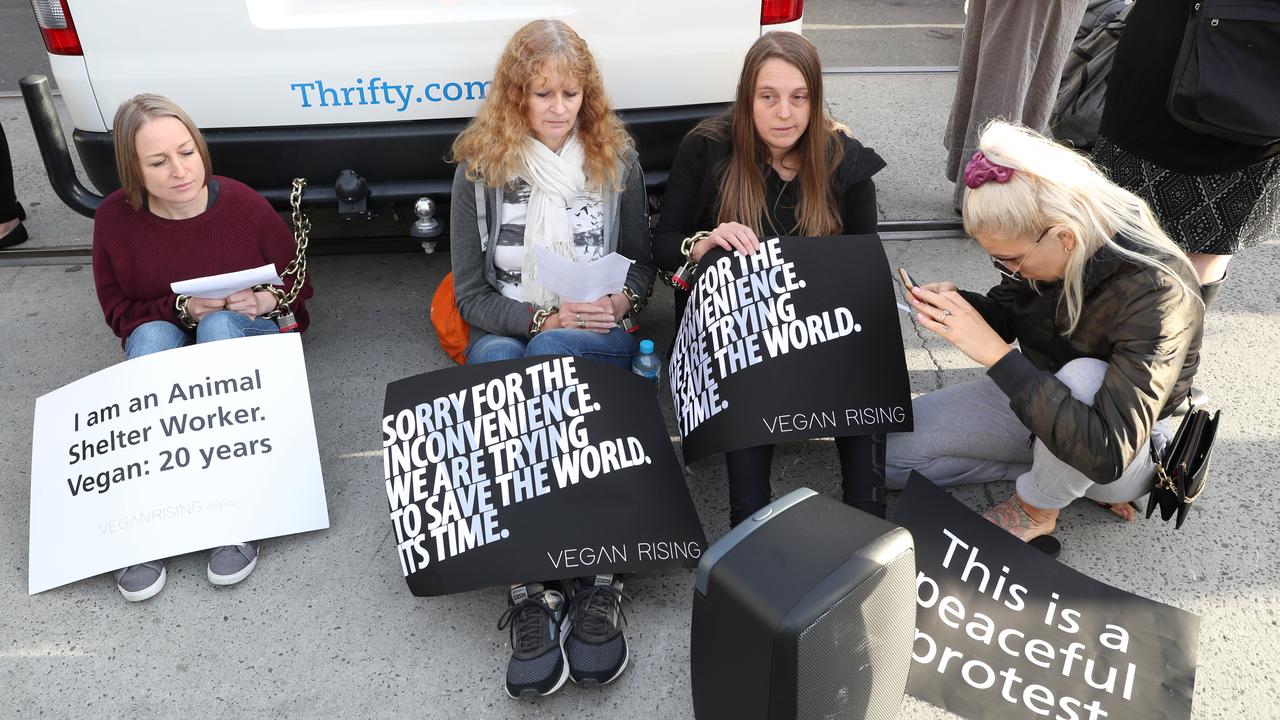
x: 216, y: 287
x: 578, y: 281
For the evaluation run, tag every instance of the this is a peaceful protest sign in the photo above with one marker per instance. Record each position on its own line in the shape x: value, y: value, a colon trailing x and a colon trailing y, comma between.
x: 170, y: 453
x: 537, y: 468
x: 798, y: 340
x: 1002, y: 631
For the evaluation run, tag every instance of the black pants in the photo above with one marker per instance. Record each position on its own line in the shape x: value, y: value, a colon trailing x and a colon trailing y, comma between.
x: 8, y: 201
x: 861, y: 471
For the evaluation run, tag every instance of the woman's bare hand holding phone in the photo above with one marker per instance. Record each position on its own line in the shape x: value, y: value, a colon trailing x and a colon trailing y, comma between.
x: 942, y: 309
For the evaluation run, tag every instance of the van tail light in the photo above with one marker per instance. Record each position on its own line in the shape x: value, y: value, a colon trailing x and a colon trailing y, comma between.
x: 773, y: 12
x: 56, y: 27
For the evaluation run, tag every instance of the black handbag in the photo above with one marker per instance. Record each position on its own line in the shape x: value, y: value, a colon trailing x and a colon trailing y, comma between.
x: 1226, y: 81
x: 1182, y: 470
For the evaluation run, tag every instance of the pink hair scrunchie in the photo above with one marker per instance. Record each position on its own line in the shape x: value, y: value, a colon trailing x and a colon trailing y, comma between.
x: 980, y: 171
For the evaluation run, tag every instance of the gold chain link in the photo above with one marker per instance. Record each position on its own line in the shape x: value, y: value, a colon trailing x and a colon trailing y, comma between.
x: 301, y: 236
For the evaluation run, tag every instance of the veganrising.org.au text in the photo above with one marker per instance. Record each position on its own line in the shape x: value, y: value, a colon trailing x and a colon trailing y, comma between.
x: 379, y: 92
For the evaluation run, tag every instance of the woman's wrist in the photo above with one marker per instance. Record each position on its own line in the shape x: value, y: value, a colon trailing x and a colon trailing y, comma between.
x: 995, y: 355
x: 184, y: 315
x: 620, y: 305
x: 544, y: 319
x: 268, y: 298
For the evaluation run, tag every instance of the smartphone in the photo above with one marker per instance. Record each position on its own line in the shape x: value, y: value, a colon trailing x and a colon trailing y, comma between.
x: 905, y: 277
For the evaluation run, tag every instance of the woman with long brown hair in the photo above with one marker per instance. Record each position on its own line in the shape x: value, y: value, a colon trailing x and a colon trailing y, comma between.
x: 774, y: 164
x: 547, y: 164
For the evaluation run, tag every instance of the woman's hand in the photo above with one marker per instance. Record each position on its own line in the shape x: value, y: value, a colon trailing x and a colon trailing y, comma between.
x: 951, y: 316
x: 251, y: 304
x: 197, y: 308
x: 730, y: 236
x: 938, y: 287
x: 596, y: 316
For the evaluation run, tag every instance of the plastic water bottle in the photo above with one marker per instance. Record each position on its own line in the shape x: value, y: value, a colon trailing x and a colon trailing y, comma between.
x: 646, y: 363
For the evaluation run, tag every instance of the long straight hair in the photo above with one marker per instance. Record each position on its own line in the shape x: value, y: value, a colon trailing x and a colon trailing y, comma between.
x: 819, y: 150
x: 1054, y: 186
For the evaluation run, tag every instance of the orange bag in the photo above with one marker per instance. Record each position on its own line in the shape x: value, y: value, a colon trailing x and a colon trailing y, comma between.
x: 451, y: 330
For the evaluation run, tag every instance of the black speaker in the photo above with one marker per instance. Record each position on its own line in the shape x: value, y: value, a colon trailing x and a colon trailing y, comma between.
x: 806, y: 610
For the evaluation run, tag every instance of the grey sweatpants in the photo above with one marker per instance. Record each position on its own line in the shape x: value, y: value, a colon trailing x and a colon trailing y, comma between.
x: 966, y: 434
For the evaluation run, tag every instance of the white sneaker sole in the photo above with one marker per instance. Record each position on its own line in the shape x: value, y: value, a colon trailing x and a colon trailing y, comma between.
x: 234, y: 577
x: 564, y: 668
x: 145, y: 593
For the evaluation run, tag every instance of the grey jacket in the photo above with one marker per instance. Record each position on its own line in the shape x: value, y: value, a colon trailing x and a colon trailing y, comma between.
x: 475, y: 284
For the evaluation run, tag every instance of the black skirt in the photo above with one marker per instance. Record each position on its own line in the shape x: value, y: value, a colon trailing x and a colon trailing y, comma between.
x: 1209, y: 214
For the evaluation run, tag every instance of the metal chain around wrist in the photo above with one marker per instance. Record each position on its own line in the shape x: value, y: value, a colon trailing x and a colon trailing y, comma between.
x: 184, y: 315
x: 686, y: 245
x: 637, y: 301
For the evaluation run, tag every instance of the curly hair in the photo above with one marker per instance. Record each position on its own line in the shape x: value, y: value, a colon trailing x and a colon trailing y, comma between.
x: 490, y: 144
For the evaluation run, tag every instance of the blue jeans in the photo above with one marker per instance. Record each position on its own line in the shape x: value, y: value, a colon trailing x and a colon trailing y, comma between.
x: 615, y: 347
x: 159, y: 335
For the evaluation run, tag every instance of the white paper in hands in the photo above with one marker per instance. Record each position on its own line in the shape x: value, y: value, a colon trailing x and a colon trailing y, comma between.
x: 581, y: 281
x: 217, y: 287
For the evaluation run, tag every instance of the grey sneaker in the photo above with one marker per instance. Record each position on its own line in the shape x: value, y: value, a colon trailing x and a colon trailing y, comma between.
x: 230, y: 564
x: 596, y: 648
x: 536, y: 617
x: 139, y: 582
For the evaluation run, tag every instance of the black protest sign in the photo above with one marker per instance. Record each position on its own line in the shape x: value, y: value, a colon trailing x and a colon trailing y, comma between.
x: 798, y: 340
x: 1003, y: 631
x: 532, y: 469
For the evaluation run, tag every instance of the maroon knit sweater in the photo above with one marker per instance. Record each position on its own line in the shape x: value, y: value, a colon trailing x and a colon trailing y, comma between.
x: 137, y: 254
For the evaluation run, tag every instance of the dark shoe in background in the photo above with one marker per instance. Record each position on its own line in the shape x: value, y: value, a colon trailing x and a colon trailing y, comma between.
x: 18, y: 234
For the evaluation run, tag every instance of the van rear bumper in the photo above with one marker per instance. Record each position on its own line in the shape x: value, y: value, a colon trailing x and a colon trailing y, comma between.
x: 401, y: 161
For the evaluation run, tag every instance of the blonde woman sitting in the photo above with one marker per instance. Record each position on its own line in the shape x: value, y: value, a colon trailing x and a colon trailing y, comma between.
x: 1108, y: 318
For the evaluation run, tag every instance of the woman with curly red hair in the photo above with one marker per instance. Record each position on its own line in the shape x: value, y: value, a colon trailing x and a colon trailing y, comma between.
x: 547, y: 164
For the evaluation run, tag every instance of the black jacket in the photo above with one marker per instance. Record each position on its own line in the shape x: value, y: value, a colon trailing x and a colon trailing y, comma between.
x: 1135, y: 318
x: 692, y: 197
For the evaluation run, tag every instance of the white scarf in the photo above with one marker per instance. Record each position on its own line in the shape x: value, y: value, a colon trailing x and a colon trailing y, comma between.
x: 555, y: 180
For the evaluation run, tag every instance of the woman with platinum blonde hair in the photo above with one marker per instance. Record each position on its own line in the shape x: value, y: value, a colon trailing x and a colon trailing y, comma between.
x: 1108, y: 319
x: 546, y: 164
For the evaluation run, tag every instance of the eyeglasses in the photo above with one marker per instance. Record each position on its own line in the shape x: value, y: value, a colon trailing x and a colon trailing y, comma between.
x: 1003, y: 266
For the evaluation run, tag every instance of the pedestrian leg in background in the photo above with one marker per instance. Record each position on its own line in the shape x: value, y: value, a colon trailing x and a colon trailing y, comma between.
x: 1011, y: 58
x: 11, y: 213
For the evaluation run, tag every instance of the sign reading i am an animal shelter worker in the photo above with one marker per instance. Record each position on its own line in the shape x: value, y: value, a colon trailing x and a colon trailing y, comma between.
x: 1005, y: 632
x: 799, y: 340
x: 547, y: 467
x: 178, y: 451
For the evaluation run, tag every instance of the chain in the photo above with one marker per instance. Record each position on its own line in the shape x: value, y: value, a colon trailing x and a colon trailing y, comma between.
x: 301, y: 235
x: 1163, y: 481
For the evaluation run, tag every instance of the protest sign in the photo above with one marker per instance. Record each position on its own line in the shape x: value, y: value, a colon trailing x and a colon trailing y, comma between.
x: 799, y: 340
x: 532, y: 469
x: 1003, y: 631
x: 182, y: 450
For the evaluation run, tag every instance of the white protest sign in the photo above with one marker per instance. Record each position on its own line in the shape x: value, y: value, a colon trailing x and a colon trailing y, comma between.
x: 183, y: 450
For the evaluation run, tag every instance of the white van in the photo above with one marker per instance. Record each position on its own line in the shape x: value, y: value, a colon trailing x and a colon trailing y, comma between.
x: 369, y: 89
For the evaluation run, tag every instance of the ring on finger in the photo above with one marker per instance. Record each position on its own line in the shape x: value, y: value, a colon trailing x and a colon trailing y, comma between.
x: 945, y: 313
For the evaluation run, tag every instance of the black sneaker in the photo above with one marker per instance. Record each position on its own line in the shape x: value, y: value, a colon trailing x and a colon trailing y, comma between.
x: 596, y: 648
x: 537, y: 665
